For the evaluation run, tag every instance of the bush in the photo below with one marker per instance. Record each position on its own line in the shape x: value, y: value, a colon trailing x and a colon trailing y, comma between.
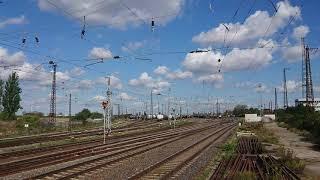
x: 32, y: 121
x: 287, y: 157
x: 302, y: 118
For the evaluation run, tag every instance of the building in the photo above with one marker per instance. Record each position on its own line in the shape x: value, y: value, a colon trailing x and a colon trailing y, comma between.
x: 316, y: 103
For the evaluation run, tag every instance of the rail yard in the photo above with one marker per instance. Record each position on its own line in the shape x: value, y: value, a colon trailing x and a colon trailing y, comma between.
x: 159, y: 89
x: 160, y: 153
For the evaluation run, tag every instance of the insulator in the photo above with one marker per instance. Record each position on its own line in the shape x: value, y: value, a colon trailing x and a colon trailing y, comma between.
x: 37, y: 39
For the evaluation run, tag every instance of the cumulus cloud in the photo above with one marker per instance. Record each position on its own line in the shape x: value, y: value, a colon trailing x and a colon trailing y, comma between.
x: 100, y: 53
x: 115, y: 13
x: 261, y: 88
x: 99, y: 98
x: 125, y: 96
x: 77, y: 71
x: 161, y: 70
x: 115, y: 82
x: 14, y: 59
x: 13, y: 21
x: 292, y: 54
x: 178, y: 74
x: 173, y: 75
x: 211, y: 78
x: 254, y: 27
x: 145, y: 80
x: 132, y: 46
x: 300, y: 32
x: 235, y: 60
x: 292, y: 86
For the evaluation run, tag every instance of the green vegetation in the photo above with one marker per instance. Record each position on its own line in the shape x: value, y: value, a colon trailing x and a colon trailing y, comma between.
x: 303, y: 118
x: 241, y: 110
x: 85, y: 114
x: 263, y: 134
x: 286, y: 157
x: 10, y: 97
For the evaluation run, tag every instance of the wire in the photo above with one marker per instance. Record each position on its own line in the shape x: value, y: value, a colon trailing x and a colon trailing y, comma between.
x: 132, y: 12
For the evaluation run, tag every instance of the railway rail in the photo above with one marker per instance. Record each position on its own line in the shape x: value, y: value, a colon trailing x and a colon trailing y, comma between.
x: 25, y: 140
x: 259, y: 167
x: 31, y: 151
x: 169, y: 166
x: 111, y: 149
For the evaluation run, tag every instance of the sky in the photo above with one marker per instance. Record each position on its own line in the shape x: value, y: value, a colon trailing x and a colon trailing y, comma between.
x: 243, y: 46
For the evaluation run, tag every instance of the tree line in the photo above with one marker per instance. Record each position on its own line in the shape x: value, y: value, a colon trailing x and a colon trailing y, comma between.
x: 302, y: 118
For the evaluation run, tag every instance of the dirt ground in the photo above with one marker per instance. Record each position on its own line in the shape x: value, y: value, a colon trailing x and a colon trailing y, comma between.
x: 302, y: 149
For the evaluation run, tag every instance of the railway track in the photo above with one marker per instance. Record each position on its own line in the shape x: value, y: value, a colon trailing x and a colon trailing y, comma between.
x: 166, y: 168
x: 41, y: 150
x: 110, y: 149
x: 10, y: 142
x: 80, y: 170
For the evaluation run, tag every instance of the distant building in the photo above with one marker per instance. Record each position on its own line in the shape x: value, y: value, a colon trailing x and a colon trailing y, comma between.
x: 302, y: 101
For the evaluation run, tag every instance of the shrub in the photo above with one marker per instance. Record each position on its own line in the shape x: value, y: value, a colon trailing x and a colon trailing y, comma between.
x: 32, y: 121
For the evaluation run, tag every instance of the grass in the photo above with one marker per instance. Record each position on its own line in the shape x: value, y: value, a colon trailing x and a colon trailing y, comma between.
x: 287, y: 157
x: 263, y: 134
x: 226, y: 150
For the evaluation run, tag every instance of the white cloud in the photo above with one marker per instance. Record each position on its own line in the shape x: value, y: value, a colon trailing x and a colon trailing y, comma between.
x: 7, y: 59
x: 100, y: 53
x: 235, y: 60
x: 178, y: 74
x: 161, y: 70
x: 13, y: 21
x: 292, y: 54
x: 300, y: 32
x: 115, y: 82
x: 85, y: 84
x: 115, y: 13
x: 261, y: 88
x: 292, y: 86
x: 212, y: 78
x: 99, y: 98
x: 132, y: 46
x: 253, y: 28
x: 125, y: 96
x: 77, y: 71
x: 145, y: 80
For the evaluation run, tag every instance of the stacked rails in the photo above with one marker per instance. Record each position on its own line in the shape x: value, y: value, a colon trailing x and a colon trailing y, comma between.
x: 249, y: 163
x: 253, y: 167
x: 249, y: 145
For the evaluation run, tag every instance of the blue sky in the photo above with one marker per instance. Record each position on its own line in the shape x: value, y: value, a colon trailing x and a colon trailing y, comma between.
x: 253, y: 41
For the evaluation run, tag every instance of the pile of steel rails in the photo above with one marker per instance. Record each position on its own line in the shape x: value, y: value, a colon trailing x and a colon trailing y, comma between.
x: 249, y: 145
x: 248, y: 162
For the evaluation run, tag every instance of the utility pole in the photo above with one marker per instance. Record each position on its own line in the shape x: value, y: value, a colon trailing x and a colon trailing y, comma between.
x: 69, y: 126
x: 261, y: 103
x: 306, y: 73
x: 52, y: 114
x: 285, y: 90
x: 109, y: 107
x: 217, y: 106
x: 151, y: 108
x: 275, y: 99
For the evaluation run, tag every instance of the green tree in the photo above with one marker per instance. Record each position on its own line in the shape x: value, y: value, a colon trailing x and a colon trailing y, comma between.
x: 240, y: 110
x: 96, y: 115
x: 11, y: 97
x: 83, y: 115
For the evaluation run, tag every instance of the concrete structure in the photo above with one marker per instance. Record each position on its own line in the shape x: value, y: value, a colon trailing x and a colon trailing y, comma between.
x: 252, y: 118
x: 315, y: 104
x: 268, y: 118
